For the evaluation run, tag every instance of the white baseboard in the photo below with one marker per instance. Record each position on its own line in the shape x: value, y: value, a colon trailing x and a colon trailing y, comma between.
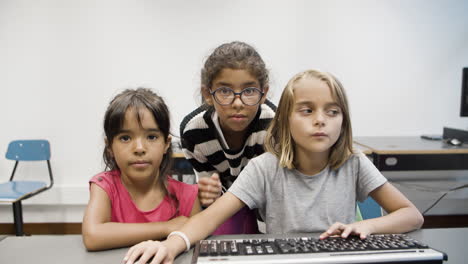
x: 60, y: 204
x: 61, y: 195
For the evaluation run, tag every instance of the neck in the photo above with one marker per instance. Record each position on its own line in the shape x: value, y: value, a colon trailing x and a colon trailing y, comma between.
x: 311, y: 163
x: 234, y: 139
x: 142, y: 186
x: 146, y: 194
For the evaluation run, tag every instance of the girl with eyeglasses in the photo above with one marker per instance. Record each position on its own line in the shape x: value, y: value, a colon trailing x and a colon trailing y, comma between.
x: 228, y: 129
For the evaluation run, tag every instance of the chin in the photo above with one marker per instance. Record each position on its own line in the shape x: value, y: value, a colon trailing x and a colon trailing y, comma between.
x: 318, y: 149
x: 238, y: 128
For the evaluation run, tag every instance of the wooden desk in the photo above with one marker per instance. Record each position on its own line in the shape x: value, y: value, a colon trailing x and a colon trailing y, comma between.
x: 178, y: 155
x: 69, y: 249
x: 414, y: 153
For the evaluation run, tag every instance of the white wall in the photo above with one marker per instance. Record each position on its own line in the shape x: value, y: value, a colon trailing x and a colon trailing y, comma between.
x: 61, y: 61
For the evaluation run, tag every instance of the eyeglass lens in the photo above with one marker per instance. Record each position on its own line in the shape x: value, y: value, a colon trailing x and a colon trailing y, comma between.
x: 226, y: 96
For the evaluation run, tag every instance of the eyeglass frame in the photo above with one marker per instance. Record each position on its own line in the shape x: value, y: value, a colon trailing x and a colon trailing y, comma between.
x: 240, y: 95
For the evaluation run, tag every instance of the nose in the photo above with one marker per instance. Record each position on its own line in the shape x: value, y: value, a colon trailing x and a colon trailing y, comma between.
x: 237, y: 103
x: 139, y: 147
x: 320, y: 118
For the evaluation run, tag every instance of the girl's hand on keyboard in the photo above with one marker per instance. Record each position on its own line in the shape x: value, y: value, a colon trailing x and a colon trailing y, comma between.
x: 148, y: 252
x: 360, y: 229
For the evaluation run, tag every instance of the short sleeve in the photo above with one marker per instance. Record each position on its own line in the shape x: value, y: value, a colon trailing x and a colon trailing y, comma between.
x: 186, y: 195
x: 369, y: 177
x: 105, y: 180
x: 249, y: 186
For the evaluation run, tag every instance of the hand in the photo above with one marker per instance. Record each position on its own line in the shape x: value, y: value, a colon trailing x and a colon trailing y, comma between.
x: 176, y: 223
x: 358, y: 228
x: 209, y: 189
x: 144, y: 251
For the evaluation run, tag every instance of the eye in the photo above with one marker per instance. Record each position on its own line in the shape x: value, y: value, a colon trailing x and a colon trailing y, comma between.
x: 124, y: 138
x: 152, y: 137
x: 305, y: 110
x: 333, y: 112
x: 249, y: 91
x: 224, y: 91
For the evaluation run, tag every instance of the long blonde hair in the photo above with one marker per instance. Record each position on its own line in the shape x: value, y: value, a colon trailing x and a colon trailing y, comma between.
x: 279, y: 140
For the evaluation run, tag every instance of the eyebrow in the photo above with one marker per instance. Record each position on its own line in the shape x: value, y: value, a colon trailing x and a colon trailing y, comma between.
x: 252, y: 83
x: 301, y: 103
x: 149, y: 130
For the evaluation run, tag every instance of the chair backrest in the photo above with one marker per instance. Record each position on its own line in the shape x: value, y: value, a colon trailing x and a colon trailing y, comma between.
x: 369, y: 209
x: 28, y: 150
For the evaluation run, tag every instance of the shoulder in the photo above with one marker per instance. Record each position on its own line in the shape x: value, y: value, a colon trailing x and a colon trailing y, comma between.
x: 360, y: 158
x: 181, y: 188
x: 108, y: 181
x: 195, y: 119
x: 356, y: 158
x: 105, y: 177
x: 268, y: 110
x: 265, y: 114
x: 361, y: 166
x: 266, y: 160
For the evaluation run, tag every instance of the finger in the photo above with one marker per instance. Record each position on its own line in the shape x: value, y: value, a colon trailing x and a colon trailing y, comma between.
x: 209, y: 188
x: 206, y: 202
x: 214, y: 183
x: 160, y: 255
x: 129, y: 252
x: 363, y: 235
x: 215, y: 177
x: 210, y: 193
x: 134, y: 256
x: 348, y: 229
x: 335, y: 229
x: 203, y: 181
x: 147, y: 255
x: 324, y: 235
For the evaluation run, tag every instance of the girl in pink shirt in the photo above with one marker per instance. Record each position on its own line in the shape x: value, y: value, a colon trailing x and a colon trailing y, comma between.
x: 134, y: 199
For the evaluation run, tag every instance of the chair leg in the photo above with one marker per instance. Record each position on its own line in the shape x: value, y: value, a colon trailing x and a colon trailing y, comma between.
x: 18, y: 218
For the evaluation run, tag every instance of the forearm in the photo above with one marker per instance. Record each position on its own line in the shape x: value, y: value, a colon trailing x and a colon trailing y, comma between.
x: 201, y: 225
x: 197, y: 228
x: 113, y: 235
x: 400, y: 221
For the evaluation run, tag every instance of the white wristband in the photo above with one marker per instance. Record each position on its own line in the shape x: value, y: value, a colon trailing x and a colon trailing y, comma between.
x: 183, y: 236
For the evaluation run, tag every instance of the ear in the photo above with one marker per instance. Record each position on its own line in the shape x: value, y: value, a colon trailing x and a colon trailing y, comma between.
x: 168, y: 143
x: 108, y: 147
x: 206, y: 95
x: 265, y: 92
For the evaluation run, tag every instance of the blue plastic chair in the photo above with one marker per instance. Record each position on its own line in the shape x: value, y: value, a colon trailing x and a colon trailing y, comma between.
x: 15, y: 191
x: 368, y: 209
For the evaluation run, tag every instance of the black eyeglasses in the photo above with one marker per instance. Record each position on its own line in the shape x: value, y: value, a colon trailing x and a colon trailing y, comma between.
x: 226, y: 96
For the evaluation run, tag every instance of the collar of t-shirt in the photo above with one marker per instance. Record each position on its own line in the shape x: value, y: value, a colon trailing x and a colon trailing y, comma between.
x: 214, y: 117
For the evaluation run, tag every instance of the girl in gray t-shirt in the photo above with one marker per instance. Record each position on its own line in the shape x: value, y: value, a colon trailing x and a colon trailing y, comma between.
x: 308, y: 180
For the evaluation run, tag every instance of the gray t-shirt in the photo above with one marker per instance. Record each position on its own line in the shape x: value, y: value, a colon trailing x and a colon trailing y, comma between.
x: 292, y: 202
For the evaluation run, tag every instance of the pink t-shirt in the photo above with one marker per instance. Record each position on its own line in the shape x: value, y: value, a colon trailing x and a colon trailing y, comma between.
x: 124, y: 209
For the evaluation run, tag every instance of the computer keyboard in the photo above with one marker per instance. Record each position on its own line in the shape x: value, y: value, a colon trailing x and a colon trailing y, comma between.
x: 388, y: 248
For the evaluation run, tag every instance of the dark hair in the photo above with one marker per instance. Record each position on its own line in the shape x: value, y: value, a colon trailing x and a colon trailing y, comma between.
x: 114, y: 119
x: 234, y: 55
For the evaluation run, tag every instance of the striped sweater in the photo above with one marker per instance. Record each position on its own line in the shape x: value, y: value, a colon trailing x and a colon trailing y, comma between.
x: 202, y: 147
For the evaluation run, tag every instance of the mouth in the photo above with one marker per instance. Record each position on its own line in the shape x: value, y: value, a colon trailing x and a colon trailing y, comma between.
x: 238, y: 117
x: 320, y: 134
x: 140, y: 163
